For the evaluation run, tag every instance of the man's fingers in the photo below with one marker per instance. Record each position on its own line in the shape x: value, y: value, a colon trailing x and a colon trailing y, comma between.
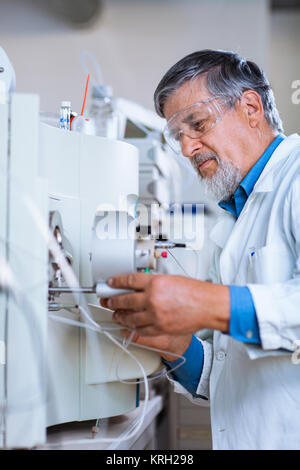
x: 132, y: 319
x: 103, y: 303
x: 127, y: 333
x: 136, y: 281
x: 134, y: 301
x: 148, y: 331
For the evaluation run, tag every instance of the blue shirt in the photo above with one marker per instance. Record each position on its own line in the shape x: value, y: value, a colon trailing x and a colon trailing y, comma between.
x: 243, y: 324
x: 190, y: 372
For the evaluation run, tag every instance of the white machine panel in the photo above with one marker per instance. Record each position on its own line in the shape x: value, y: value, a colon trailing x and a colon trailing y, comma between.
x: 55, y: 372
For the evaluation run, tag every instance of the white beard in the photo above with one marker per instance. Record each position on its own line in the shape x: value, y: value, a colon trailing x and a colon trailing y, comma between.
x: 224, y: 182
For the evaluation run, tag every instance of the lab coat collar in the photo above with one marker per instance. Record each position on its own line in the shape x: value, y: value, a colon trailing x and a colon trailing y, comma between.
x: 225, y: 223
x: 222, y: 229
x: 265, y: 182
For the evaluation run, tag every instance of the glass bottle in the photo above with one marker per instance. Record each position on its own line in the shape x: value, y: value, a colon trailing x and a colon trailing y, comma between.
x: 103, y: 113
x: 65, y: 115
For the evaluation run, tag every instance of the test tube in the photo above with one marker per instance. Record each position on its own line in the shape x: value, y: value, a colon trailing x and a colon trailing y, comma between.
x: 65, y: 115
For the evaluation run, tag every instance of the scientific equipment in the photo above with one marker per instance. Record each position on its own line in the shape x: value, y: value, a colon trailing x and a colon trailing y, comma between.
x: 60, y: 371
x: 23, y: 324
x: 81, y: 187
x: 66, y: 185
x: 3, y: 95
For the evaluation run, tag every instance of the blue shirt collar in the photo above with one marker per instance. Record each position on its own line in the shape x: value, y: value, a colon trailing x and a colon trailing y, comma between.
x: 236, y: 203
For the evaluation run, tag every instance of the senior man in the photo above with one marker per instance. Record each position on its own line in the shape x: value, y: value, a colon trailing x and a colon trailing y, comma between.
x: 221, y: 115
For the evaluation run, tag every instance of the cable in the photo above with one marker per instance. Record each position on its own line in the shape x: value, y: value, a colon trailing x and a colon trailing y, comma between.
x: 179, y: 264
x: 149, y: 348
x: 70, y: 277
x: 69, y: 321
x: 72, y: 280
x: 141, y: 346
x: 135, y: 427
x: 141, y: 419
x: 19, y: 297
x: 182, y: 268
x: 197, y: 264
x: 7, y: 283
x: 95, y: 64
x: 16, y: 301
x: 85, y: 93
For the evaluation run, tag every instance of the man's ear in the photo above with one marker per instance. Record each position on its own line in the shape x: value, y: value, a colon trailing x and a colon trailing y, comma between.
x: 252, y: 107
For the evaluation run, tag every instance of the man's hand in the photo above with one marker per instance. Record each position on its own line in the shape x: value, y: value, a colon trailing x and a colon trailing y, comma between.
x: 164, y: 304
x: 171, y: 343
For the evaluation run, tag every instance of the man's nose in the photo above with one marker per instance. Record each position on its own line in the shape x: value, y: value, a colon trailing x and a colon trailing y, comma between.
x: 190, y: 147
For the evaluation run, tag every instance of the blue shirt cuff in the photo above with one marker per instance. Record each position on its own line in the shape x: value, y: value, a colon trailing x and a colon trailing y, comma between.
x: 243, y: 324
x: 190, y: 372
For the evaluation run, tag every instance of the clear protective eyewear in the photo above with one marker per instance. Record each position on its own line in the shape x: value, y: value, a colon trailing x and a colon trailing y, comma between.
x: 193, y: 121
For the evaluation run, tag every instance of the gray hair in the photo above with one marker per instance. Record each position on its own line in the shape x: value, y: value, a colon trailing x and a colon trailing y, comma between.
x: 228, y: 75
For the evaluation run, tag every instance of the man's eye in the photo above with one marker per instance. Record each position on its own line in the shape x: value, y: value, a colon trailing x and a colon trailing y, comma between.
x: 198, y: 125
x: 176, y: 135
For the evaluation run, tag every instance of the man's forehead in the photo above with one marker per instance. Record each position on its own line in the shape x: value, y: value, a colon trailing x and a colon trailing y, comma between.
x: 189, y: 93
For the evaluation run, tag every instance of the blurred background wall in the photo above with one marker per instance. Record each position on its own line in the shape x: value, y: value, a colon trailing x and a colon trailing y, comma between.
x: 284, y: 63
x: 136, y: 41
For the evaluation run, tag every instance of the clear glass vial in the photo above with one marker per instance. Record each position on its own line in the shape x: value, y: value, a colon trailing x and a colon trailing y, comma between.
x: 65, y: 115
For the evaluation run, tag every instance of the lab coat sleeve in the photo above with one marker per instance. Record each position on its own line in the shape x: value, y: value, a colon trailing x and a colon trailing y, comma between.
x: 205, y: 336
x: 278, y: 304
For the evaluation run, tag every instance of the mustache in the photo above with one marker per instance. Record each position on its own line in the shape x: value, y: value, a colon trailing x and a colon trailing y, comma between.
x: 225, y: 180
x: 201, y: 158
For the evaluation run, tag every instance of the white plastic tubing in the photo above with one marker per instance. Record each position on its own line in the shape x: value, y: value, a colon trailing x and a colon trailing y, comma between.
x: 72, y: 280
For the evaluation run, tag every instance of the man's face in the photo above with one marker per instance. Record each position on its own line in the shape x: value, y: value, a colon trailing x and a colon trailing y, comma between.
x: 217, y: 156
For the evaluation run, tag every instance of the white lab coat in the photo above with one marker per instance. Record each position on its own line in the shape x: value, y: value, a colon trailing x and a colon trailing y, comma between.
x: 254, y: 391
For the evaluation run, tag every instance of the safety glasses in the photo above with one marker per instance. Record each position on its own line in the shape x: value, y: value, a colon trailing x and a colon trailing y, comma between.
x: 193, y: 121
